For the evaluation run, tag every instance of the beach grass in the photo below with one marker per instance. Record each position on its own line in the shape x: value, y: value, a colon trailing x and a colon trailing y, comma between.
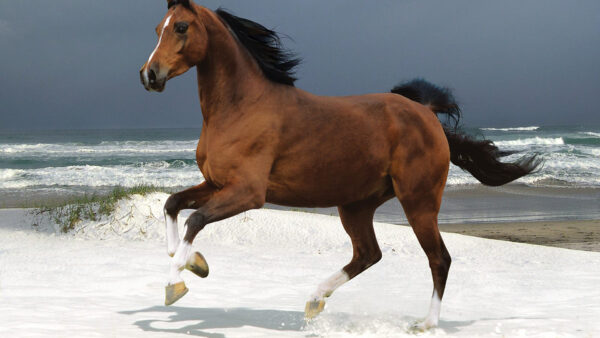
x: 91, y: 207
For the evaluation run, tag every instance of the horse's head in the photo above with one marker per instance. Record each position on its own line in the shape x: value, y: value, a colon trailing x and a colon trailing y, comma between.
x: 182, y: 43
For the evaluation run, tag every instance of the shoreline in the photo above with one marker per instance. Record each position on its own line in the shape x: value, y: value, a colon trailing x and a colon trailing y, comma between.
x: 572, y: 234
x: 461, y: 204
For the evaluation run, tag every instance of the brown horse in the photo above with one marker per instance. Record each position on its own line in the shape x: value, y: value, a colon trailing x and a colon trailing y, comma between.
x: 263, y: 140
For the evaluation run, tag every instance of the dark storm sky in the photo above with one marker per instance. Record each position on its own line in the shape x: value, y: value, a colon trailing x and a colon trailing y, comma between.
x: 74, y: 63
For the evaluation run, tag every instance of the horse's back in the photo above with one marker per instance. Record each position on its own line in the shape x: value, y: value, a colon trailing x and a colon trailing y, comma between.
x: 393, y: 123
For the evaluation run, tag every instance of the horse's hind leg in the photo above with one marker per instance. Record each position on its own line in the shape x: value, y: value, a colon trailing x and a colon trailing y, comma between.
x: 357, y: 219
x: 426, y: 229
x: 421, y: 208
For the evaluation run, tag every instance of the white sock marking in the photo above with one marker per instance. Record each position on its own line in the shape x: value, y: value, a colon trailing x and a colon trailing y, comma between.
x: 172, y: 234
x: 326, y: 288
x: 179, y: 261
x: 434, y: 311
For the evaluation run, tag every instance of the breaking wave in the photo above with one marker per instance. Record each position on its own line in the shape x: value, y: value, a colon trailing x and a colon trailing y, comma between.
x: 160, y: 173
x: 513, y: 129
x: 120, y: 148
x: 531, y: 141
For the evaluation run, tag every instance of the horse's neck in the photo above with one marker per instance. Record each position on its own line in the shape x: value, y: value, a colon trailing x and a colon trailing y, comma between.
x: 228, y: 76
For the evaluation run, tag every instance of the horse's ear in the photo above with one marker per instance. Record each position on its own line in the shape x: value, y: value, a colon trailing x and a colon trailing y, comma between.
x: 184, y: 3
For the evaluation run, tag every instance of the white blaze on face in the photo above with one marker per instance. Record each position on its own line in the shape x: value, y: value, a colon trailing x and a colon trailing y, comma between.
x: 156, y: 48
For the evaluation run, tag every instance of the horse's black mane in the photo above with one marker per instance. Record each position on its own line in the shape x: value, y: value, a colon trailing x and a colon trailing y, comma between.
x: 265, y: 46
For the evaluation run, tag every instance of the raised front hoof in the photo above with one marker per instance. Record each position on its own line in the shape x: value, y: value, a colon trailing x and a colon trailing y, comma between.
x: 313, y: 308
x: 174, y: 292
x: 198, y: 265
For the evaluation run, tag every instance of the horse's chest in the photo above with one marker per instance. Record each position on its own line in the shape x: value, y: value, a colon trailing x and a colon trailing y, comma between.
x: 213, y: 167
x: 202, y: 159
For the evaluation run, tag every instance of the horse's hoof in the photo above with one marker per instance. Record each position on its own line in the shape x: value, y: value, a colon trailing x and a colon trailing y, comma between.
x: 313, y: 308
x: 198, y: 265
x: 421, y: 326
x: 174, y: 292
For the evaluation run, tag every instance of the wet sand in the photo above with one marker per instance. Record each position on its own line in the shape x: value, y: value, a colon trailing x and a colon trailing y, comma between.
x: 576, y: 234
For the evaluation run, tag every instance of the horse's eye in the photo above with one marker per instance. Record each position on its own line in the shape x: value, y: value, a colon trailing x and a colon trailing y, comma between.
x: 181, y: 27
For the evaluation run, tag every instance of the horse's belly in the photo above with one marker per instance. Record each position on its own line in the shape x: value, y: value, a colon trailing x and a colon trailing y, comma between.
x: 318, y: 185
x: 325, y: 196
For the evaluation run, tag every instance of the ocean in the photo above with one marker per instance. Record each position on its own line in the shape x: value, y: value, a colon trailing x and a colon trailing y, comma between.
x: 46, y: 164
x: 571, y: 155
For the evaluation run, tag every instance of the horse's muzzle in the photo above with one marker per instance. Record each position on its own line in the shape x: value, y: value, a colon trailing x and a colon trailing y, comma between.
x: 152, y: 80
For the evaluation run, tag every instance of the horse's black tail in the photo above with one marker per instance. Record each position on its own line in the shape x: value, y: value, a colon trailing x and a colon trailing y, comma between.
x: 478, y: 157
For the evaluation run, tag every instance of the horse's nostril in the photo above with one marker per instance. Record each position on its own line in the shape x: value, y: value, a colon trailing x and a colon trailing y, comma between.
x: 151, y: 76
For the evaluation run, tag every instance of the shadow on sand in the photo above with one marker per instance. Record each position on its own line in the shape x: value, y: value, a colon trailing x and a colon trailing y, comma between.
x: 216, y: 318
x: 196, y: 321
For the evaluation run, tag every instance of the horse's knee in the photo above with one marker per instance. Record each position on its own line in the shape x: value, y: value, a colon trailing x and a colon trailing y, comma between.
x: 172, y: 205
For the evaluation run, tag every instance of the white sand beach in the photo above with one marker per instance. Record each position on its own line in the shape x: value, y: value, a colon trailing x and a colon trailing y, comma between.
x: 106, y: 279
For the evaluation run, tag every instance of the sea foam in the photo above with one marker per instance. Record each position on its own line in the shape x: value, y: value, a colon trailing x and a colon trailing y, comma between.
x: 531, y: 141
x: 513, y: 129
x: 104, y: 148
x: 155, y: 173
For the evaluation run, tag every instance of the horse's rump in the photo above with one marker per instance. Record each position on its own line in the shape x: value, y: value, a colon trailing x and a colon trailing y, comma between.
x: 481, y: 158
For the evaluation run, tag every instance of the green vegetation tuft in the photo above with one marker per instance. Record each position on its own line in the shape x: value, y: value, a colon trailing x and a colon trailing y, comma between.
x: 92, y: 207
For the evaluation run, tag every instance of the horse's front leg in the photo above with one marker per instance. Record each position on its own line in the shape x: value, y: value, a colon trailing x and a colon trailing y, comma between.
x: 227, y: 202
x: 192, y: 198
